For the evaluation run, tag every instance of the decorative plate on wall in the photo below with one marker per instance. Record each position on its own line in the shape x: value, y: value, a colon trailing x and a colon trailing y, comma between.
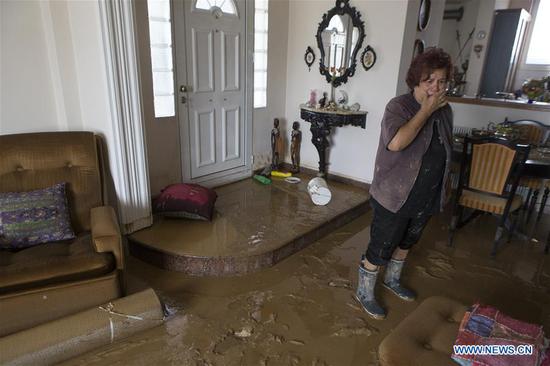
x: 368, y: 58
x: 424, y: 14
x: 309, y: 57
x: 418, y: 48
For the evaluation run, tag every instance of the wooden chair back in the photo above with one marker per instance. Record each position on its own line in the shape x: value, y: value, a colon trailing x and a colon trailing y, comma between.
x: 491, y: 164
x: 532, y: 132
x: 490, y: 167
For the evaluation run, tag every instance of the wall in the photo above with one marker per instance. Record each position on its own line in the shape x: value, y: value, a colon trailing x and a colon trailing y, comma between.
x: 430, y: 35
x: 483, y: 23
x: 262, y: 124
x: 409, y: 38
x: 53, y: 68
x: 30, y: 84
x: 353, y: 149
x: 53, y: 71
x: 447, y: 39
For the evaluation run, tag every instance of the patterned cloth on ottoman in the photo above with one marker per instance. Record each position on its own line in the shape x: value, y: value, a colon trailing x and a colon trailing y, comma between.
x: 487, y: 326
x: 426, y: 336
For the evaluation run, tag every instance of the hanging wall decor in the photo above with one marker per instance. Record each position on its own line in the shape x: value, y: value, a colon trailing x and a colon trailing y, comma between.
x: 368, y: 58
x: 424, y: 14
x: 419, y: 46
x: 309, y: 57
x: 339, y: 37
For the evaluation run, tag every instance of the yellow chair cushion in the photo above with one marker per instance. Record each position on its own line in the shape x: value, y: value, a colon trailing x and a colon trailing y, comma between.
x: 488, y: 203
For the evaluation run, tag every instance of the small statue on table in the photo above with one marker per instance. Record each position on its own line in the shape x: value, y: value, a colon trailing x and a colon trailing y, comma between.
x: 275, y: 144
x: 295, y: 141
x: 323, y: 101
x: 312, y: 99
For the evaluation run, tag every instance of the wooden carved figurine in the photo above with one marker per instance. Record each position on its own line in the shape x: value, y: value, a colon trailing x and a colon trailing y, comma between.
x: 275, y: 144
x: 295, y: 141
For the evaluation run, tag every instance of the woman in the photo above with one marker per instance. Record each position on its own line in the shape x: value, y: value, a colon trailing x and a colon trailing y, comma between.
x: 411, y: 170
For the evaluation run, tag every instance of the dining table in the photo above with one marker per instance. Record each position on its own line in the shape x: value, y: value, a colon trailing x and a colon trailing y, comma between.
x: 537, y: 165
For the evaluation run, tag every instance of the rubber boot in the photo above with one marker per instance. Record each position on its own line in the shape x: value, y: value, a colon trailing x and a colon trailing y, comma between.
x: 391, y: 280
x: 365, y: 293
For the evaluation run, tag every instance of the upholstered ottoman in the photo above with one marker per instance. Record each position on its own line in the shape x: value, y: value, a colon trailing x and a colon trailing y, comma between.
x: 426, y: 336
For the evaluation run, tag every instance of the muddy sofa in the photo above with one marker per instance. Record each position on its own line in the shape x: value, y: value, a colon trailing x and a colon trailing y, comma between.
x: 51, y: 280
x: 61, y: 299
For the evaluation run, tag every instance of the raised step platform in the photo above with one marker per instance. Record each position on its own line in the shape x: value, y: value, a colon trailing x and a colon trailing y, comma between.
x: 255, y: 226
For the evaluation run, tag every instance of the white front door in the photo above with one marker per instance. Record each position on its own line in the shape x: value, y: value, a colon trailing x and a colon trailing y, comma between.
x: 211, y: 78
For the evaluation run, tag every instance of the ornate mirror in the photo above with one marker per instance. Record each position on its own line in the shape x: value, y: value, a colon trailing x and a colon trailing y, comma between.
x: 339, y: 37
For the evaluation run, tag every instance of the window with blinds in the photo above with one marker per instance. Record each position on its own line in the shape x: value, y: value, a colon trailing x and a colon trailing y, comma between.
x: 260, y: 53
x: 160, y: 34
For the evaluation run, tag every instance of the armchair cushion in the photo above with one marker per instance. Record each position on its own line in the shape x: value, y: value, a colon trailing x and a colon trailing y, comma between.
x: 35, y: 217
x: 106, y: 233
x: 53, y: 263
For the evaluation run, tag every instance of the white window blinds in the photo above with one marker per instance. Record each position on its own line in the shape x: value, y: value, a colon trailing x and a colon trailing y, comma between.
x: 260, y: 53
x: 539, y: 50
x: 160, y: 34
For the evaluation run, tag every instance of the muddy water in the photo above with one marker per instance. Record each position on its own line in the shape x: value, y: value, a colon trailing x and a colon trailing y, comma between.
x: 250, y: 219
x: 301, y: 311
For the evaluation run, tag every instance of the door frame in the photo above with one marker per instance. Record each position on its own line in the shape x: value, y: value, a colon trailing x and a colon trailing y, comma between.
x: 181, y: 77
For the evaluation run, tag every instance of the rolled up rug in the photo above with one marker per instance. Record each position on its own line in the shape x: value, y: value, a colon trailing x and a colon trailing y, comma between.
x: 68, y: 337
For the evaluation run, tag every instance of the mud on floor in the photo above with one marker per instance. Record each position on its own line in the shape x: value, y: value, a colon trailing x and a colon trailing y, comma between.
x: 302, y: 311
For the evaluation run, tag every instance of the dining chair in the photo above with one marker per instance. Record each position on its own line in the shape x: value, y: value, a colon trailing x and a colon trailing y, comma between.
x: 489, y: 175
x: 534, y: 133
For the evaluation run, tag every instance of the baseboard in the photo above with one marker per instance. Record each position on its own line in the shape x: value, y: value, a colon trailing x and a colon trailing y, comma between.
x: 334, y: 177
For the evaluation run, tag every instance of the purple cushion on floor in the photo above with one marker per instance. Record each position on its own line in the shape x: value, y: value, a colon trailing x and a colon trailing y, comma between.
x: 35, y: 217
x: 190, y: 201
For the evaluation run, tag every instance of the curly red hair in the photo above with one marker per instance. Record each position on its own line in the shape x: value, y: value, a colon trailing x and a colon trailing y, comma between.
x: 424, y: 64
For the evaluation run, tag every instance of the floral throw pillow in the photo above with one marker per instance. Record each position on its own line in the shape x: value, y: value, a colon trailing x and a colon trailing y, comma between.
x: 35, y: 217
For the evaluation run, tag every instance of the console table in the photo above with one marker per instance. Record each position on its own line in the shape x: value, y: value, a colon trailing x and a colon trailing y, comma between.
x: 321, y: 123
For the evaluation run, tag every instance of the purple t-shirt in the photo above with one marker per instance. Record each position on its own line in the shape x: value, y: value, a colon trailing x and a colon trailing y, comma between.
x: 395, y: 171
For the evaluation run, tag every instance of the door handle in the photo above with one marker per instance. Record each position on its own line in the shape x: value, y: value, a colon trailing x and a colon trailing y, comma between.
x: 183, y: 89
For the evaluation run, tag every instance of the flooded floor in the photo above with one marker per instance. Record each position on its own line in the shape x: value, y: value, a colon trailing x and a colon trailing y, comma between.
x: 302, y: 312
x: 251, y: 219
